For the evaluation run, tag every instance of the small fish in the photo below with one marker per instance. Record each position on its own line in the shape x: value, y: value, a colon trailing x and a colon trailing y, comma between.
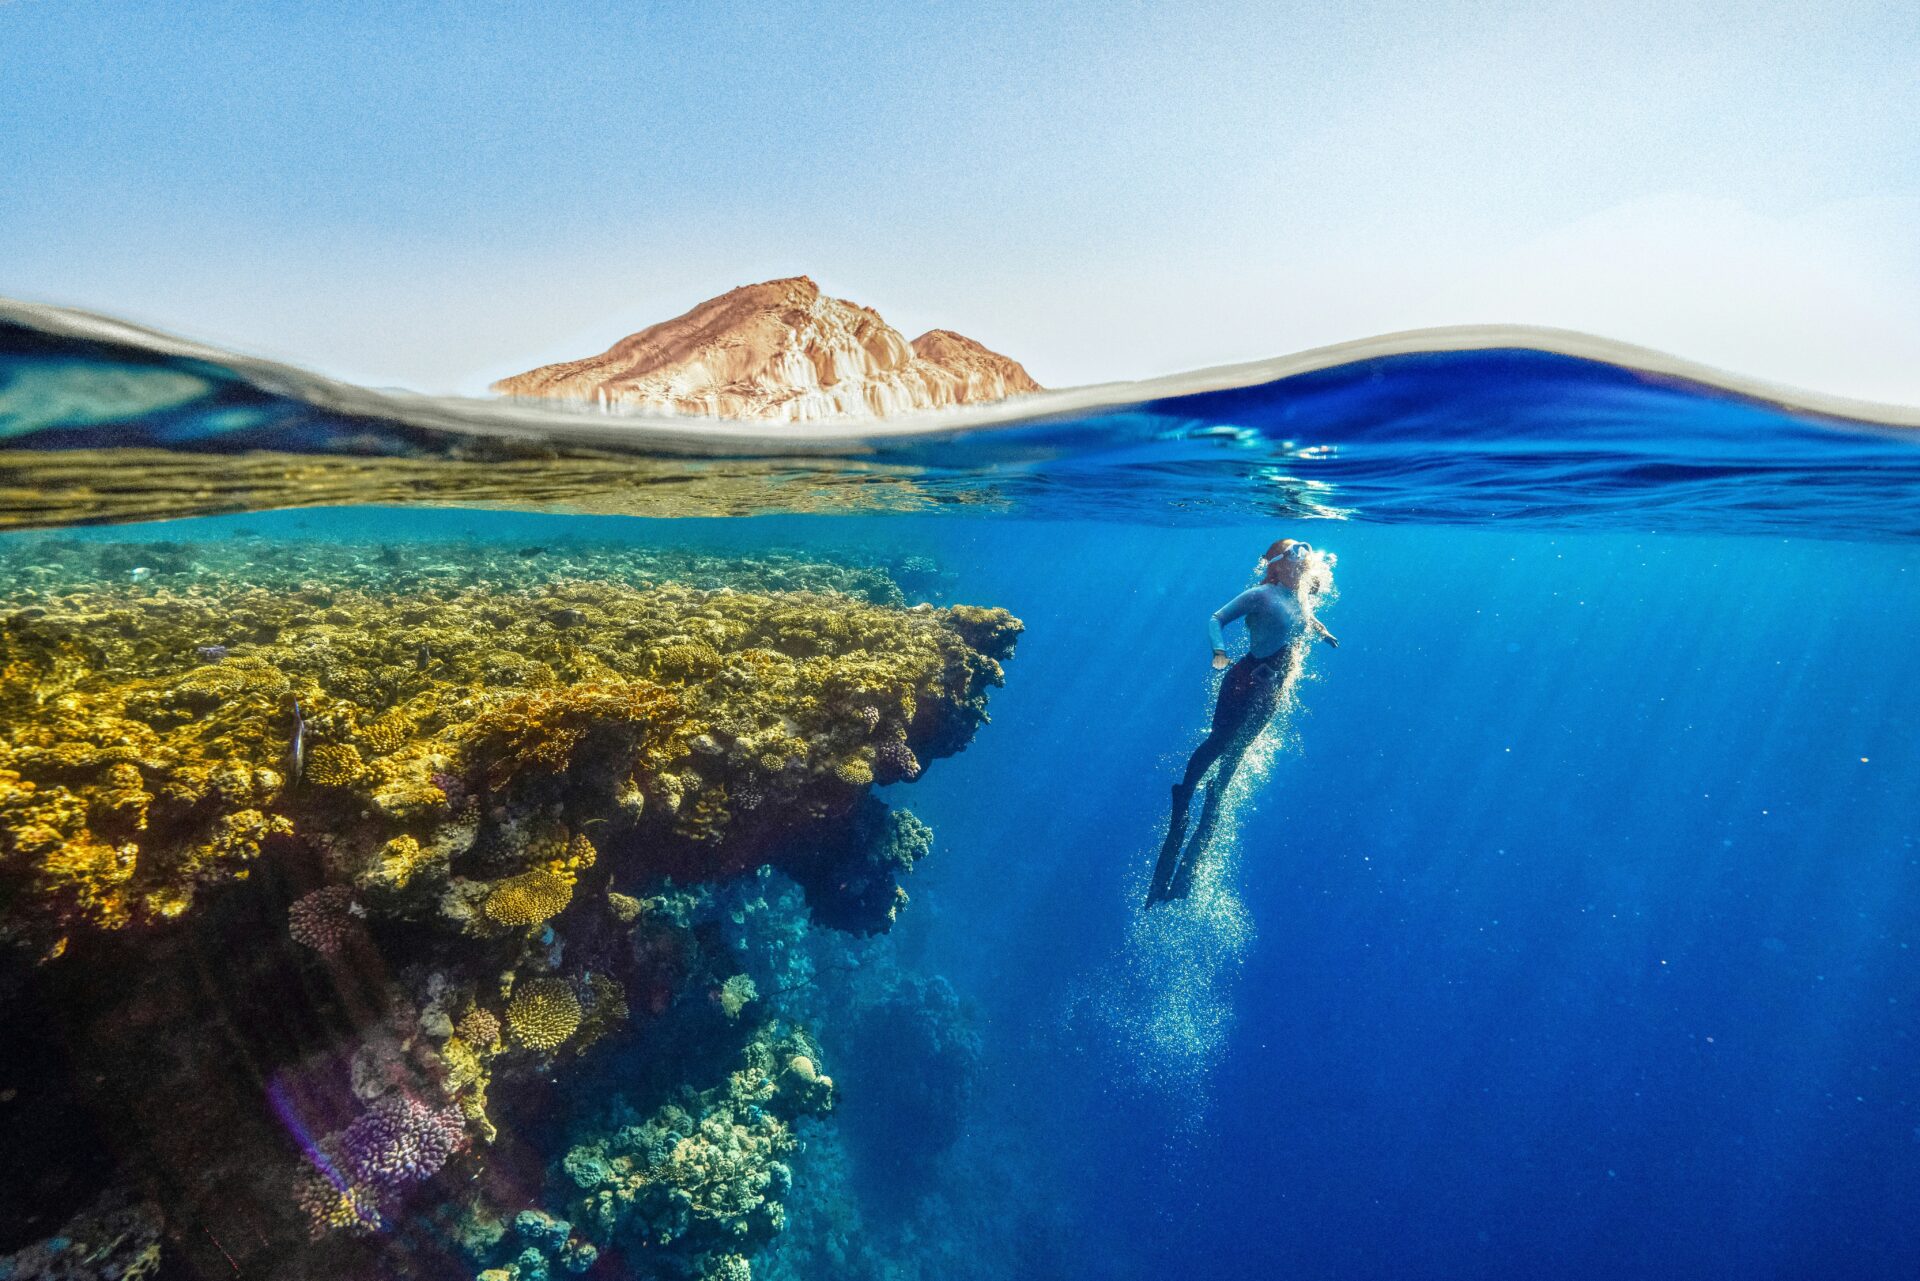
x: 566, y: 618
x: 139, y: 574
x: 210, y: 653
x: 422, y: 656
x: 297, y: 754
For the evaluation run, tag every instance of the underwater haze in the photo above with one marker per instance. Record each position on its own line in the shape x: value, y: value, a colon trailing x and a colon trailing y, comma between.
x: 399, y: 877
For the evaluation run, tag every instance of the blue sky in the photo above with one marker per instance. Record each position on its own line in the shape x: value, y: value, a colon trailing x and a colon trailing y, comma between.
x: 432, y: 195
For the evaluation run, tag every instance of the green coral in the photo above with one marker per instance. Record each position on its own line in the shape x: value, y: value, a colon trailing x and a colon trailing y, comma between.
x: 703, y: 1176
x: 736, y: 994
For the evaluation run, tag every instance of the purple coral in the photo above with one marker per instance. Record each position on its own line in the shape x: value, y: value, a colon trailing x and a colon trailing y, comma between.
x: 400, y: 1141
x: 894, y: 760
x: 323, y: 919
x: 452, y: 784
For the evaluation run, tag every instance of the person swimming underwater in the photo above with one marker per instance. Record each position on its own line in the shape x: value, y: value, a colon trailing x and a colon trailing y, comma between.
x: 1280, y: 622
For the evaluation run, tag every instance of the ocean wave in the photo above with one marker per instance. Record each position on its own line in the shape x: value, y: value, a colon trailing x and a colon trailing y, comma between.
x: 102, y: 420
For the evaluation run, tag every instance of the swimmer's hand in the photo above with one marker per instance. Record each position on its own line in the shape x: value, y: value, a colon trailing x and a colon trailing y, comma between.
x: 1326, y: 635
x: 1219, y: 660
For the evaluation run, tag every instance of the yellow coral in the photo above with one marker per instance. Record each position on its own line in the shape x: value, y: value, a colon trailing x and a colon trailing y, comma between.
x: 388, y: 734
x: 334, y: 764
x: 543, y: 1013
x: 131, y: 775
x: 479, y: 1028
x: 401, y: 860
x: 529, y: 898
x: 539, y: 732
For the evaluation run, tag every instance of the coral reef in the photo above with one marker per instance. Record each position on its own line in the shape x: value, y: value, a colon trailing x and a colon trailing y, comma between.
x: 496, y: 858
x: 115, y: 1239
x: 133, y: 774
x: 703, y: 1175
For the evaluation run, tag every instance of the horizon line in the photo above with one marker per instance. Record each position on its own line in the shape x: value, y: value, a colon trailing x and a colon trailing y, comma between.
x: 561, y: 421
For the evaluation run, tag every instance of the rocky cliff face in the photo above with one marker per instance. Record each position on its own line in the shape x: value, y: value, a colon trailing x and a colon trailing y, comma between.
x: 779, y: 351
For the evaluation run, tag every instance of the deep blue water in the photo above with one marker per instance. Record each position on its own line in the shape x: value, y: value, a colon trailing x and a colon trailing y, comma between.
x: 1572, y: 929
x: 1574, y: 936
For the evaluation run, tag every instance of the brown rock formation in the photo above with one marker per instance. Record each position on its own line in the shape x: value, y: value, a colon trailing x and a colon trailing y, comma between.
x: 780, y: 351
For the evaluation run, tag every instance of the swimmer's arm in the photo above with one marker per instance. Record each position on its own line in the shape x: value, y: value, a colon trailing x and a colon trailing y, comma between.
x: 1226, y: 614
x: 1315, y: 627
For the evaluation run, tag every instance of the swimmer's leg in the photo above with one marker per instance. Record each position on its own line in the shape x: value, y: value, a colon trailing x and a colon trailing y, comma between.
x: 1166, y: 868
x: 1182, y: 883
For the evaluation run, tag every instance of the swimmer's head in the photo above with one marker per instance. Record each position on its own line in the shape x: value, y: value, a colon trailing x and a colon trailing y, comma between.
x: 1293, y: 561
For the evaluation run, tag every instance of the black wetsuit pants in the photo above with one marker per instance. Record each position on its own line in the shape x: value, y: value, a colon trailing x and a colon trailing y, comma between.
x: 1249, y: 696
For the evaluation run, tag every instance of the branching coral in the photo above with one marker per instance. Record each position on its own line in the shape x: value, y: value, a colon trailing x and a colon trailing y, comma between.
x: 543, y: 1013
x: 540, y: 732
x: 479, y: 1028
x: 352, y: 1176
x: 322, y: 919
x: 603, y: 1011
x: 736, y: 994
x: 705, y: 1173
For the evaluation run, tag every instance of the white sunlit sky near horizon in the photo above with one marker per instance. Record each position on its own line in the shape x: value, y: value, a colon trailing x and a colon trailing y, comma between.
x: 433, y: 195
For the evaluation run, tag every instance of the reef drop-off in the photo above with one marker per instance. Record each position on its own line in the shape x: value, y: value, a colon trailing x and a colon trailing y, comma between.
x: 426, y: 879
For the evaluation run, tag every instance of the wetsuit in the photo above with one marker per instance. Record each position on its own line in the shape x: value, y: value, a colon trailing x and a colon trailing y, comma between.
x: 1249, y: 696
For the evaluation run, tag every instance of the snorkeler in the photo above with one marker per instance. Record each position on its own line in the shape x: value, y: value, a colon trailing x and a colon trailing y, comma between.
x: 1280, y: 625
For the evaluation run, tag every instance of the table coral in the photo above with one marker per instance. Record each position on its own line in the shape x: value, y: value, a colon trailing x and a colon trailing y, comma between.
x: 529, y: 898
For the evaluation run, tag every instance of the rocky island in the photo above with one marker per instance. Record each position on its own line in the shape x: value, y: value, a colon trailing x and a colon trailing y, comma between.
x: 784, y: 352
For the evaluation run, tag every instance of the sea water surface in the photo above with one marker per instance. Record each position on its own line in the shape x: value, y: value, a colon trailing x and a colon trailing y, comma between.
x: 1565, y: 925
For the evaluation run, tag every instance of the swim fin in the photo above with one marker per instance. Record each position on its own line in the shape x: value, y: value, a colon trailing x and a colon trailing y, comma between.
x: 1182, y: 883
x: 1167, y: 867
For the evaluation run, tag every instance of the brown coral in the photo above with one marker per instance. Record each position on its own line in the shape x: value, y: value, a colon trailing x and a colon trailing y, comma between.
x: 479, y: 1027
x: 606, y: 1010
x: 540, y: 732
x: 543, y: 1013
